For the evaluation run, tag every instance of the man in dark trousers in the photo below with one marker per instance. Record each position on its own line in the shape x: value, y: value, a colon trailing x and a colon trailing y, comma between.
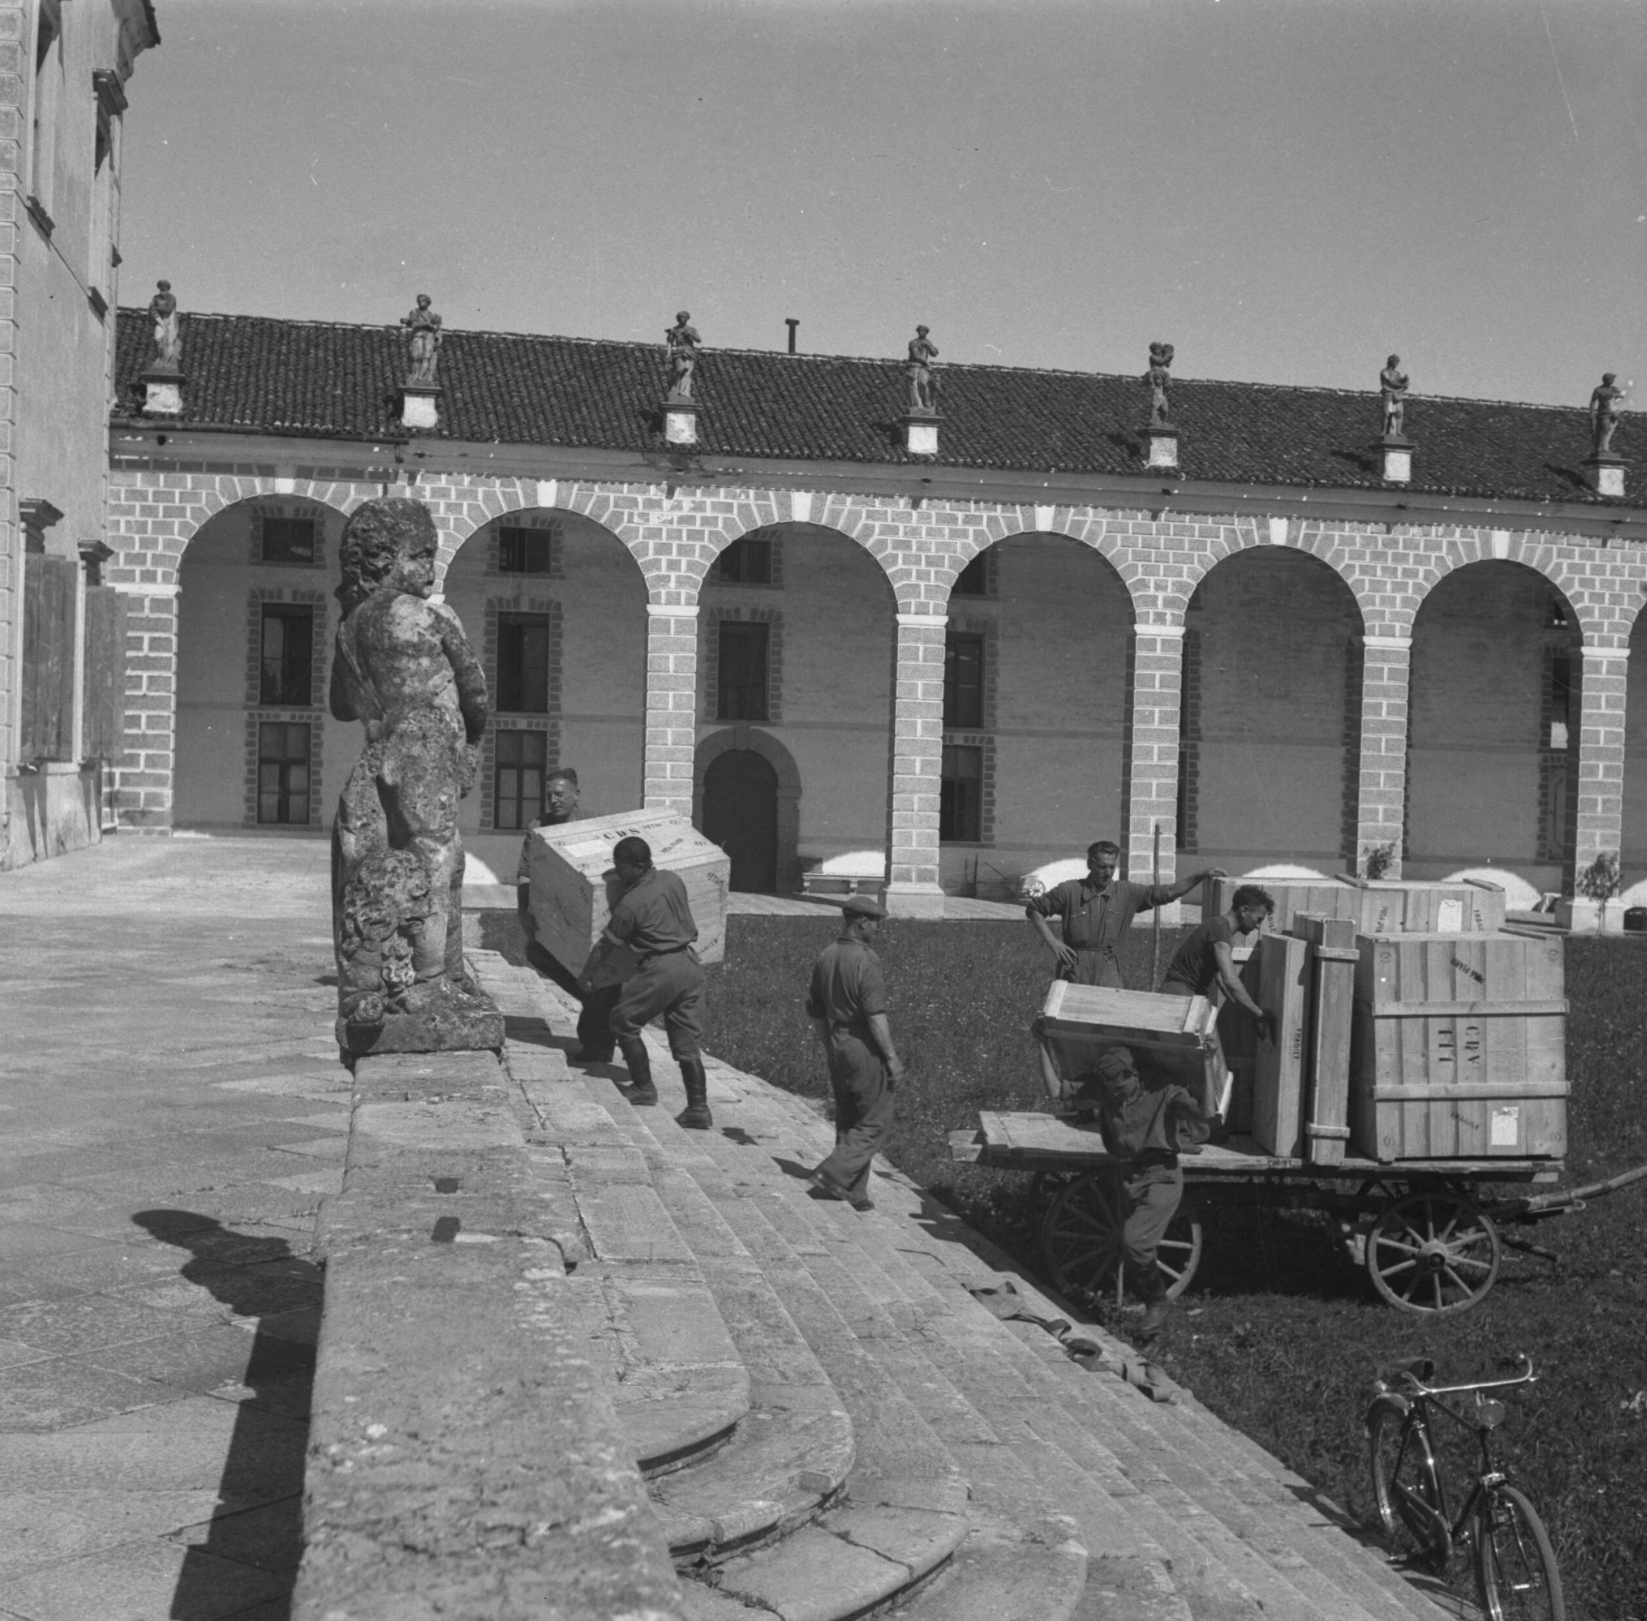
x: 560, y: 805
x: 1145, y: 1120
x: 1095, y: 912
x: 847, y: 1006
x: 654, y: 920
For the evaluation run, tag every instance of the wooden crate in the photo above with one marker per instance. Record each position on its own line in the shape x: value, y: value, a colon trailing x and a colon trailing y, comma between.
x: 574, y: 886
x: 1375, y: 907
x: 1078, y: 1022
x: 1238, y: 1037
x: 1333, y: 959
x: 1283, y: 975
x: 1457, y: 1047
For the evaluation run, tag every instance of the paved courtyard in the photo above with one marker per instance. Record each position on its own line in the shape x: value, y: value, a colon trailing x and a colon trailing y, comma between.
x: 171, y: 1112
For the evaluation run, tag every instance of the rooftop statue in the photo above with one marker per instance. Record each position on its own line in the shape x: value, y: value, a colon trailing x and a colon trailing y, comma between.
x: 1604, y: 414
x: 404, y: 668
x: 681, y: 346
x: 1392, y: 381
x: 168, y: 331
x: 1159, y: 379
x: 923, y: 379
x: 425, y: 338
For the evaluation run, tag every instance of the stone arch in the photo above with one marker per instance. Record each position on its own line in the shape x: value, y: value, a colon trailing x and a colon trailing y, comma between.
x: 1270, y: 717
x: 773, y: 509
x: 1306, y: 536
x: 744, y: 735
x: 1531, y: 549
x: 471, y: 508
x: 1496, y: 682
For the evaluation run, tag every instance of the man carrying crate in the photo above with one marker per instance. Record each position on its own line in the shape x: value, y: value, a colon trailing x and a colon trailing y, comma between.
x: 1095, y: 911
x: 1145, y: 1121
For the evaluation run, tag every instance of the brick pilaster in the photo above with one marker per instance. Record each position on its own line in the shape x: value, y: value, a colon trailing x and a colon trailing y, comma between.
x: 14, y: 93
x: 143, y: 769
x: 913, y: 889
x: 1381, y: 795
x: 671, y: 697
x: 1152, y: 749
x: 1600, y: 755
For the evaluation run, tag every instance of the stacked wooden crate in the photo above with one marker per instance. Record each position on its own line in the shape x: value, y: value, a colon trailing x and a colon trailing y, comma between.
x: 1174, y: 1034
x: 574, y: 887
x: 1375, y: 906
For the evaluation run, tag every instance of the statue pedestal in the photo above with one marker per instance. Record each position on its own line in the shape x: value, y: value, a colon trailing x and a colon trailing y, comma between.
x: 1396, y: 455
x: 1161, y: 445
x: 419, y: 405
x: 1605, y: 475
x: 921, y: 433
x: 680, y: 422
x: 450, y: 1021
x: 162, y: 393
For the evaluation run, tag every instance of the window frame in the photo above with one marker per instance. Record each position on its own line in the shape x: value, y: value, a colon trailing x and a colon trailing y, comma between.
x: 525, y: 811
x: 743, y: 700
x: 512, y: 670
x: 964, y: 703
x: 277, y: 696
x: 956, y: 806
x: 526, y: 539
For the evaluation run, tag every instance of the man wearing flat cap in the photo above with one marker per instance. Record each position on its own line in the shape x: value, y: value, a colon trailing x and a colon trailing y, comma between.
x: 1145, y: 1120
x: 847, y: 1006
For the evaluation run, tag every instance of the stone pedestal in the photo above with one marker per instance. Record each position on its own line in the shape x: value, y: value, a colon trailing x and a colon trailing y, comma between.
x: 680, y: 422
x: 162, y: 393
x: 1396, y: 457
x: 419, y: 405
x: 921, y: 433
x: 1161, y: 445
x: 447, y: 1020
x: 1605, y: 475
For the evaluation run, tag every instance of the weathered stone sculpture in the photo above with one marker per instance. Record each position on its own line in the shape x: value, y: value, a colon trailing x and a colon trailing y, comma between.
x: 1392, y: 383
x: 681, y: 346
x: 1604, y: 415
x: 425, y: 338
x: 923, y: 381
x: 1159, y: 378
x: 405, y: 669
x: 168, y: 332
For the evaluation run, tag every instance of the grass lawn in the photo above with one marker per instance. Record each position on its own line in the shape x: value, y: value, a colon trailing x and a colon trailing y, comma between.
x: 1279, y: 1334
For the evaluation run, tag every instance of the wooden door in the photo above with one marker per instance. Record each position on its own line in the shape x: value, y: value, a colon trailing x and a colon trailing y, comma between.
x: 740, y: 814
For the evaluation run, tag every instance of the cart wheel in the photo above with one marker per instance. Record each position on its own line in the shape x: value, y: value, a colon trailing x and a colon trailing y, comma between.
x: 1081, y: 1238
x: 1433, y: 1252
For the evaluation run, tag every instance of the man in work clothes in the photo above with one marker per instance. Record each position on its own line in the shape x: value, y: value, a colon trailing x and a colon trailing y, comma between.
x: 1095, y: 912
x: 1145, y: 1122
x: 654, y: 920
x: 560, y: 805
x: 847, y: 1006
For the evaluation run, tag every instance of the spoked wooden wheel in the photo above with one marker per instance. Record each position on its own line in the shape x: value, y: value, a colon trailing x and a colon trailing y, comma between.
x: 1081, y: 1238
x: 1433, y: 1252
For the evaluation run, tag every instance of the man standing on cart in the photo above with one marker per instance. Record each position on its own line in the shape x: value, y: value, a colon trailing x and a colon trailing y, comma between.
x: 1095, y: 911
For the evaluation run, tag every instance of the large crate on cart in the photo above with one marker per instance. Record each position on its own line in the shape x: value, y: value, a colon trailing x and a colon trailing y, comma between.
x: 1457, y: 1047
x: 1378, y: 906
x: 574, y: 887
x: 1172, y: 1033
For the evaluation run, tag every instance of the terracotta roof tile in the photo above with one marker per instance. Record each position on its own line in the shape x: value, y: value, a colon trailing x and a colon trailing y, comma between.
x: 310, y: 378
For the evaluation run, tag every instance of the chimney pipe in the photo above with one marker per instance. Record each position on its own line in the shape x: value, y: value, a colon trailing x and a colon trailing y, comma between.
x: 790, y: 322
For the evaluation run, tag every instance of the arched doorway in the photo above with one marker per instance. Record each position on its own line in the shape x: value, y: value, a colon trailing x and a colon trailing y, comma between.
x: 740, y: 814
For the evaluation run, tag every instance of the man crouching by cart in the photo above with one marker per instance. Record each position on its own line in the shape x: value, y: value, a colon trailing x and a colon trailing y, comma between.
x: 1146, y: 1120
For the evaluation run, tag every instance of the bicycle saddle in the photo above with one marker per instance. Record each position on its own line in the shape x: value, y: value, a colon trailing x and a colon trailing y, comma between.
x: 1421, y: 1368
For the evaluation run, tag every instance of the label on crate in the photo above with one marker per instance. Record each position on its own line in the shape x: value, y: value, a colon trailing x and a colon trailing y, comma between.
x: 1505, y: 1131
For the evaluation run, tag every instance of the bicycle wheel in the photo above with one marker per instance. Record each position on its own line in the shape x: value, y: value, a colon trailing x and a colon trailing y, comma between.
x: 1406, y: 1489
x: 1515, y: 1566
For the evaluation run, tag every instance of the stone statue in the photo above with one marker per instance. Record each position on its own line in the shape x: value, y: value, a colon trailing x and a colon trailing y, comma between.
x: 1393, y: 382
x: 1604, y: 415
x: 1159, y: 378
x: 168, y: 331
x: 425, y: 340
x: 923, y: 380
x: 681, y: 345
x: 405, y: 669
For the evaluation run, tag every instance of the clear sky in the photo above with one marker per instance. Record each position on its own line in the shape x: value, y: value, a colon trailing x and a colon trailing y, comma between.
x: 1287, y: 190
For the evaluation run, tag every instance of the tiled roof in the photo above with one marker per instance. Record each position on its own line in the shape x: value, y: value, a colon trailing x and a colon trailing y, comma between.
x: 313, y: 378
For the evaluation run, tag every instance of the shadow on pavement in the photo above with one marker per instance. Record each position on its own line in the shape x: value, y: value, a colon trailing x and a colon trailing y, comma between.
x: 258, y: 1522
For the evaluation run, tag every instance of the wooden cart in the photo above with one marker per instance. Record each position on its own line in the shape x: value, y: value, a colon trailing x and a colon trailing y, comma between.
x: 1429, y: 1242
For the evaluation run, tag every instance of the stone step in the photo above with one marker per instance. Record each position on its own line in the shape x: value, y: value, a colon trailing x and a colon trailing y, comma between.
x: 790, y: 1454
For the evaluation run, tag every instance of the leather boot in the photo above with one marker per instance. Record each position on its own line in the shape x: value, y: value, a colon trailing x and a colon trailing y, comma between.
x: 1152, y: 1290
x: 695, y: 1116
x: 640, y: 1089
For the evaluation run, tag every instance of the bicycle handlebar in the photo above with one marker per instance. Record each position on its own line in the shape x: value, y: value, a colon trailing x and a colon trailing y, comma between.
x: 1410, y: 1378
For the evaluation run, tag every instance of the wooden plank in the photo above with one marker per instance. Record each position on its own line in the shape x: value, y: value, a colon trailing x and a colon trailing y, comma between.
x: 105, y: 672
x: 47, y: 716
x: 1278, y: 1068
x: 1333, y: 957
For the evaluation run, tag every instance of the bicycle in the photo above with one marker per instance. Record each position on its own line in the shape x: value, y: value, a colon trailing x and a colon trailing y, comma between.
x: 1515, y: 1565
